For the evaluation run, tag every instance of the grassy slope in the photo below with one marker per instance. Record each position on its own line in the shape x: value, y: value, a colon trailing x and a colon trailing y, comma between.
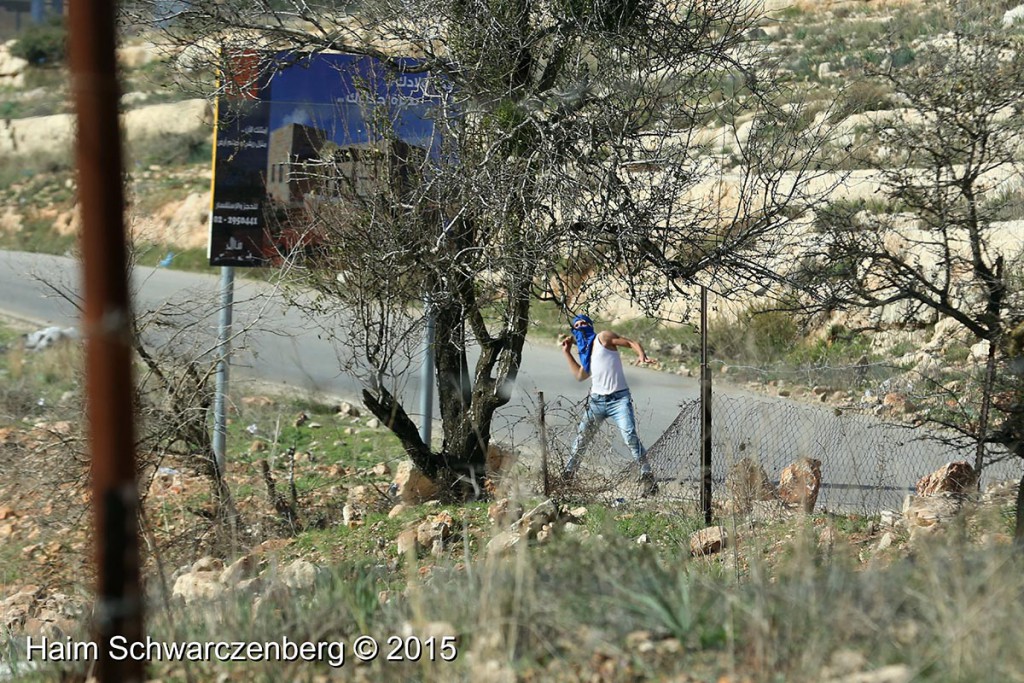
x: 782, y: 602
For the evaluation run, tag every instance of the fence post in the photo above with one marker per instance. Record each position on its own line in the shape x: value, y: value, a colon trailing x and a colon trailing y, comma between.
x: 106, y: 322
x: 543, y: 429
x: 986, y: 403
x: 705, y: 410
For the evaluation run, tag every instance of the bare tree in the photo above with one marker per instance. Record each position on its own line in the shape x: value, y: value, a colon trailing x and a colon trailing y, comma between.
x: 573, y: 160
x: 944, y: 162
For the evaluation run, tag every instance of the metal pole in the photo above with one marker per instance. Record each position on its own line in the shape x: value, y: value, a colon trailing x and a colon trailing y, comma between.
x: 220, y: 413
x: 427, y: 375
x: 983, y: 417
x: 107, y: 329
x: 543, y: 445
x: 705, y: 410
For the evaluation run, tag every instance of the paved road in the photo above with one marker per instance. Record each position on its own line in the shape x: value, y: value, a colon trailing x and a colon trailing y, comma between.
x: 283, y: 346
x: 866, y: 464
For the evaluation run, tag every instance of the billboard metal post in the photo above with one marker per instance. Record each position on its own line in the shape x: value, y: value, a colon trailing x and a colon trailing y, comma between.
x: 108, y: 329
x: 705, y: 410
x: 427, y: 375
x: 227, y: 299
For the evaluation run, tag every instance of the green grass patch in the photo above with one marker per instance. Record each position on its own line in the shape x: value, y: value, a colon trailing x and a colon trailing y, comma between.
x: 36, y: 237
x: 33, y: 382
x: 269, y: 431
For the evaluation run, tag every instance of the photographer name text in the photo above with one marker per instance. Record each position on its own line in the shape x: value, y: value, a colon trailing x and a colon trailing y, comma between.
x: 332, y: 652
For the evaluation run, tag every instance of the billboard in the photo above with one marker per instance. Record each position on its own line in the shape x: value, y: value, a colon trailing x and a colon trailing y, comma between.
x: 288, y: 114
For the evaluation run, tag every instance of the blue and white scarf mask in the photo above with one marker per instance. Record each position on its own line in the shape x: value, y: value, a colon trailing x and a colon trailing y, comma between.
x: 585, y: 337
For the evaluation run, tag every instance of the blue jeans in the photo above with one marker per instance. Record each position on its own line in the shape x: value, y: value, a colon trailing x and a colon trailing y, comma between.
x: 619, y: 407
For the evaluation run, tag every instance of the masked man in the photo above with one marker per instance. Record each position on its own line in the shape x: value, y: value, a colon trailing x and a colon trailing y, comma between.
x: 609, y: 394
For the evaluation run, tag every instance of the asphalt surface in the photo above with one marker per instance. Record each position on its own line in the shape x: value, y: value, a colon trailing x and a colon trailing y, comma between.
x: 867, y: 463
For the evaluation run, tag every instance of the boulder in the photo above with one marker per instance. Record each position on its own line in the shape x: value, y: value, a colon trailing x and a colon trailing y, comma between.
x: 207, y: 564
x: 745, y: 483
x: 171, y: 119
x: 346, y: 409
x: 135, y: 56
x: 198, y: 587
x: 897, y: 403
x: 896, y: 673
x: 536, y: 519
x: 15, y: 609
x: 187, y: 225
x: 1013, y: 16
x: 10, y: 221
x: 800, y: 483
x: 12, y: 69
x: 364, y: 496
x: 350, y: 515
x: 503, y: 512
x: 300, y: 575
x: 503, y: 543
x: 243, y: 568
x: 47, y: 135
x: 407, y: 542
x: 708, y: 541
x: 498, y: 460
x: 925, y: 515
x: 953, y: 477
x: 436, y: 528
x: 414, y: 487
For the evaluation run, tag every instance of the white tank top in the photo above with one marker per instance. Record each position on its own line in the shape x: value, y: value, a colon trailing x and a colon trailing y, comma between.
x: 606, y: 370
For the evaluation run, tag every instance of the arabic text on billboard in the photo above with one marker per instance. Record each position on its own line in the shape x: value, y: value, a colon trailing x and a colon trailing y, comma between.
x: 274, y: 130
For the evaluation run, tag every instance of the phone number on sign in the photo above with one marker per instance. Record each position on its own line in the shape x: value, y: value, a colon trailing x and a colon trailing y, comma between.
x: 237, y: 220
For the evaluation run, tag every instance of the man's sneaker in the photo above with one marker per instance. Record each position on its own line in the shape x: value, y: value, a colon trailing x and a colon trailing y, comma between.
x: 648, y: 485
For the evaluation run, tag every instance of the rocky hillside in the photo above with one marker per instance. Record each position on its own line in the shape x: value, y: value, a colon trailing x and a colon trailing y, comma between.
x: 168, y: 146
x: 824, y: 51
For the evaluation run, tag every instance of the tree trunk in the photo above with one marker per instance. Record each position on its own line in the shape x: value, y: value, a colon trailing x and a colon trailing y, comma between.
x: 466, y: 429
x: 1018, y: 532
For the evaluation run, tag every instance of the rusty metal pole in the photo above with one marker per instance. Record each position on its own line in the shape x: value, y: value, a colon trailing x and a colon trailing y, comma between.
x: 107, y: 329
x: 705, y: 410
x: 542, y: 424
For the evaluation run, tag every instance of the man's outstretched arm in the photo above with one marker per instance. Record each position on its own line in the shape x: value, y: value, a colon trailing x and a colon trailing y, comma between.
x: 611, y: 338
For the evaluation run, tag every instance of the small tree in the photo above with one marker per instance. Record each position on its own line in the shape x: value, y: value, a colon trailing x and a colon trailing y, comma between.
x: 571, y: 160
x: 43, y: 44
x: 942, y: 162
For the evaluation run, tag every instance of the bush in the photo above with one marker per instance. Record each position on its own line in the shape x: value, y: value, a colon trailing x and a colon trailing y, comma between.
x: 901, y: 57
x: 43, y: 44
x: 862, y: 96
x: 756, y: 336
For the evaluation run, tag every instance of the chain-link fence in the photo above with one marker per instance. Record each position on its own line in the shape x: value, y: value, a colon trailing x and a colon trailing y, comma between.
x: 867, y: 463
x: 871, y: 454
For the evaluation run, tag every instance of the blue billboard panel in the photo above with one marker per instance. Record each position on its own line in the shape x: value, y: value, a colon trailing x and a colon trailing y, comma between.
x: 284, y: 139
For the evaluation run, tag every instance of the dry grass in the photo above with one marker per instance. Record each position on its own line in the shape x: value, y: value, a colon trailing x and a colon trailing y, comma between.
x: 802, y: 599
